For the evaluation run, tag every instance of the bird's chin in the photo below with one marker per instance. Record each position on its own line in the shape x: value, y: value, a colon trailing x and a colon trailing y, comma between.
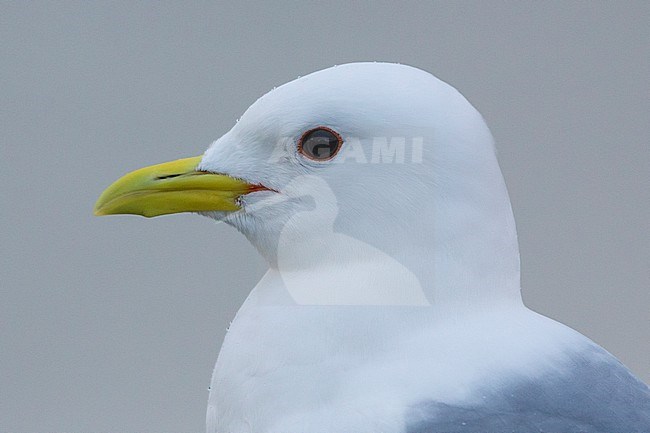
x: 218, y: 215
x: 249, y: 205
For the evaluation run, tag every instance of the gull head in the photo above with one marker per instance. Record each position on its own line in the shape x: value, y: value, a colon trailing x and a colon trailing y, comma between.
x: 383, y: 155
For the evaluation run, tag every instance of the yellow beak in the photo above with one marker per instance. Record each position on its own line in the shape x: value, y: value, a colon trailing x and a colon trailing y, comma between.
x: 172, y: 187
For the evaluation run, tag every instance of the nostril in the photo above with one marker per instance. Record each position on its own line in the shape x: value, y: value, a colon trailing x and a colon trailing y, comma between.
x: 167, y: 176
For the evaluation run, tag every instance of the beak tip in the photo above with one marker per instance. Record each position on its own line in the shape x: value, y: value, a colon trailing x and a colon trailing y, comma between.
x: 98, y: 208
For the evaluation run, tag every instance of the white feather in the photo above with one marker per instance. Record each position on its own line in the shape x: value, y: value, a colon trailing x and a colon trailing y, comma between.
x: 390, y: 283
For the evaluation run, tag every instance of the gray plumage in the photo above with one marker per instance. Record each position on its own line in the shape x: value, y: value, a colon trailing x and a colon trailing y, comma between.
x: 595, y: 394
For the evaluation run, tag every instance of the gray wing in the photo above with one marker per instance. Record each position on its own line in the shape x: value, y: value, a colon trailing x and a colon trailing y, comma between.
x: 595, y: 394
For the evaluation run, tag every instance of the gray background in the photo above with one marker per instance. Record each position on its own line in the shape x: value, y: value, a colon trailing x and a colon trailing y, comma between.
x: 113, y: 324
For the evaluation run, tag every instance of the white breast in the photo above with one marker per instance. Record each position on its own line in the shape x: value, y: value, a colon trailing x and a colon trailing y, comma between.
x: 288, y: 368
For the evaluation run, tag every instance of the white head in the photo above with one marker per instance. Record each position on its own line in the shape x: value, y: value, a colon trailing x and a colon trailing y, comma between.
x: 415, y: 179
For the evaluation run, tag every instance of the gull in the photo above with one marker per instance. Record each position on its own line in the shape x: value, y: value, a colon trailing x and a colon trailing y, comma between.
x: 392, y: 303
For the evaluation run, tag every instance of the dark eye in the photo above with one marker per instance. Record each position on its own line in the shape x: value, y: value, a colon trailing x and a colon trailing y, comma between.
x: 320, y: 144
